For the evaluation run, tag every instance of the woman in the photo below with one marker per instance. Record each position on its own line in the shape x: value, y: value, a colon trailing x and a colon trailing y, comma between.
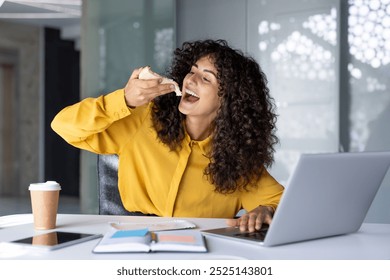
x: 203, y: 154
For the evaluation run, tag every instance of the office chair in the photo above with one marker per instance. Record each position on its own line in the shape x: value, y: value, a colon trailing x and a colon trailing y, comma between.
x: 110, y: 202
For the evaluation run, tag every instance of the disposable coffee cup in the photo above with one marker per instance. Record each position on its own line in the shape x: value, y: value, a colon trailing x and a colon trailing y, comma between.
x: 44, y: 202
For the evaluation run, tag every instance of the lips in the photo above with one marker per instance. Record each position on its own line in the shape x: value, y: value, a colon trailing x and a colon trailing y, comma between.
x: 191, y: 96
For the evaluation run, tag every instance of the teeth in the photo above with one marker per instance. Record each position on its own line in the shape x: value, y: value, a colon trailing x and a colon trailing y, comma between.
x: 191, y: 93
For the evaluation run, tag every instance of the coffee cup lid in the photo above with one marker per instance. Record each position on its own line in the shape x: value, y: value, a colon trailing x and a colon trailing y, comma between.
x: 47, y: 186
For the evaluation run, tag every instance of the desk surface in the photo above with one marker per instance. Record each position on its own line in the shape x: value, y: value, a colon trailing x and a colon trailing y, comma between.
x: 372, y: 241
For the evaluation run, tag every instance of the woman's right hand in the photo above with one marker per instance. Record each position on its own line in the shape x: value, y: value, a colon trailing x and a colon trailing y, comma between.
x: 139, y: 92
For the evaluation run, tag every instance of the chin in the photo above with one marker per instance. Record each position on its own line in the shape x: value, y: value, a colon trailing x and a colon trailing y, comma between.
x: 184, y: 110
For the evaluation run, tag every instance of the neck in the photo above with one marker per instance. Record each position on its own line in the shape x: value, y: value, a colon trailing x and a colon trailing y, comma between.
x: 198, y: 130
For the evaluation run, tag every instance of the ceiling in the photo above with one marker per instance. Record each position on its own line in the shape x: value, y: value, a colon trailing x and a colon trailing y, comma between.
x: 62, y: 14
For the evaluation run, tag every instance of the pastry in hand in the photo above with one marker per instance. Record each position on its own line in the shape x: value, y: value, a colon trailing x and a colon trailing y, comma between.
x: 147, y: 74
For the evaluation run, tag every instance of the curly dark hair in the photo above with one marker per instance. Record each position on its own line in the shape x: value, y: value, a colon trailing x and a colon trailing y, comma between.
x: 243, y: 132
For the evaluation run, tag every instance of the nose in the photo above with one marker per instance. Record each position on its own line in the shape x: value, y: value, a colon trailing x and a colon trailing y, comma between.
x: 192, y: 79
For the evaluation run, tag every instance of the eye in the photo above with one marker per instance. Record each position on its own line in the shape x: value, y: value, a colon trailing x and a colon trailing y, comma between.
x: 206, y: 79
x: 191, y: 73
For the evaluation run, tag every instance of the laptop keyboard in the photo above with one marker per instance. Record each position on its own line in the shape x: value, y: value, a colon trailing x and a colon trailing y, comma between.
x: 258, y: 234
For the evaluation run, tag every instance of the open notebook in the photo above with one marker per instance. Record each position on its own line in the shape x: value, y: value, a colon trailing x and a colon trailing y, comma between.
x: 143, y: 240
x: 327, y: 195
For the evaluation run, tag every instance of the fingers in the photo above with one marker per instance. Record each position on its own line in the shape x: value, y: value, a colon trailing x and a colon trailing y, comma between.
x: 253, y: 220
x: 135, y: 73
x: 233, y: 222
x: 139, y: 92
x: 140, y: 95
x: 159, y: 89
x: 246, y: 222
x: 250, y: 222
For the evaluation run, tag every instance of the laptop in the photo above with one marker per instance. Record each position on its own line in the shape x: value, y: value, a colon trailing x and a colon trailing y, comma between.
x: 326, y: 195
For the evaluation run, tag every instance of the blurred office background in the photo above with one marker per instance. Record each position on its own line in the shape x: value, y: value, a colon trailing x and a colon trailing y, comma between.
x: 327, y: 62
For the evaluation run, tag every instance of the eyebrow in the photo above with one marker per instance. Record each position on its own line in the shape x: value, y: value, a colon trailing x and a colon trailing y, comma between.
x: 206, y: 70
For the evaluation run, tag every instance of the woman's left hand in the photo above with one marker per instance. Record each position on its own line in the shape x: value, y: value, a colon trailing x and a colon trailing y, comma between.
x: 254, y: 219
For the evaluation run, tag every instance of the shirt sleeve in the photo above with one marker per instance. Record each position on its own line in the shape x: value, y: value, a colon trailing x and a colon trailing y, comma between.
x: 267, y: 193
x: 97, y: 124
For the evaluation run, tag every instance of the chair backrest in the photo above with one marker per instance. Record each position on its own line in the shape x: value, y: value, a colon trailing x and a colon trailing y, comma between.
x: 110, y: 202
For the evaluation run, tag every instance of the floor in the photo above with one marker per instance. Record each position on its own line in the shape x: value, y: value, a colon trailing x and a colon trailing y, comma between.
x: 22, y: 205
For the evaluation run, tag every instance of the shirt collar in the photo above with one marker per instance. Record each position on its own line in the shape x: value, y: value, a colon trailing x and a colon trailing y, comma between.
x: 204, y: 145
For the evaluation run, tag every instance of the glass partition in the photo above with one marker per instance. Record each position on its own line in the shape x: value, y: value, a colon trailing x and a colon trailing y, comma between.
x: 328, y: 68
x: 296, y: 44
x: 369, y: 68
x: 117, y: 37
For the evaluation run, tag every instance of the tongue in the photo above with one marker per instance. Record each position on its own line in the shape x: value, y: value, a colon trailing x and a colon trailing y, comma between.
x: 191, y: 98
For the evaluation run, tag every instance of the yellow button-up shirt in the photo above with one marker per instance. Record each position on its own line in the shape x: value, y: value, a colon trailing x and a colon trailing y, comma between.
x: 152, y: 178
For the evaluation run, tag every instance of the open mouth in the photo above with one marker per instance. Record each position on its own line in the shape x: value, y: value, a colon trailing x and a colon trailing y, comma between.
x: 191, y: 96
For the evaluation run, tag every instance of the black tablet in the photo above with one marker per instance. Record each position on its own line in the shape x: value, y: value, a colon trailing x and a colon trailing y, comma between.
x: 54, y: 240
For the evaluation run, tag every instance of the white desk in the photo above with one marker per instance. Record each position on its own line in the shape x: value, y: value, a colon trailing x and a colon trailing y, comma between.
x: 372, y: 241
